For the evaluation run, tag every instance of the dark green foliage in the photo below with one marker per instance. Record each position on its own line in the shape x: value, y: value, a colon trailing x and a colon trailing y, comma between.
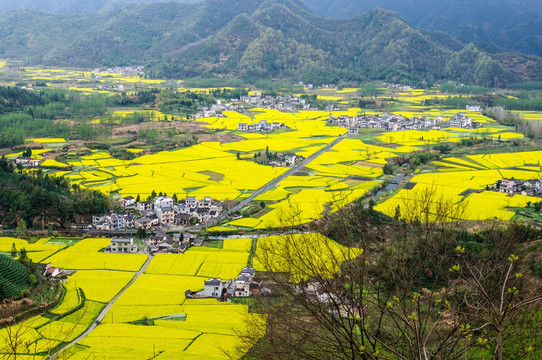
x: 369, y: 89
x: 421, y: 157
x: 388, y: 169
x: 13, y: 278
x: 452, y: 88
x: 537, y: 269
x: 23, y: 257
x: 443, y: 148
x: 186, y: 102
x: 37, y: 197
x: 122, y: 154
x: 141, y: 233
x: 25, y: 114
x: 534, y: 103
x: 533, y: 85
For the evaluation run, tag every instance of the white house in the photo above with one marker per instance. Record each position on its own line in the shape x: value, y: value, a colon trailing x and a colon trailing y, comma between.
x: 128, y: 201
x: 191, y: 201
x: 27, y: 162
x: 51, y: 271
x: 290, y: 159
x: 163, y: 201
x: 213, y: 288
x: 123, y: 245
x: 241, y: 286
x: 474, y: 108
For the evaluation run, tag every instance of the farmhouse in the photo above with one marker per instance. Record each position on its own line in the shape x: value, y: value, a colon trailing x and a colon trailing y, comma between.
x: 165, y: 215
x: 213, y: 288
x: 128, y: 201
x: 163, y: 202
x: 123, y: 245
x: 523, y: 187
x: 28, y: 162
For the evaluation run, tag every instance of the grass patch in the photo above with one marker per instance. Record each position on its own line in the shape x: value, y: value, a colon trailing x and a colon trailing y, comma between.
x: 217, y: 244
x: 213, y: 176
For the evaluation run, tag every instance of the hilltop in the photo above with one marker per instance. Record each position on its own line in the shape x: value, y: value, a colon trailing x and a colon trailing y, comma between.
x: 279, y: 39
x: 513, y: 25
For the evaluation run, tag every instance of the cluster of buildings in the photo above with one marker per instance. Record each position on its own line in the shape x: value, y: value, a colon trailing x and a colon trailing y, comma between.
x: 281, y: 102
x: 123, y: 70
x: 389, y: 122
x: 520, y: 187
x: 163, y: 211
x: 262, y: 126
x: 462, y: 121
x: 323, y: 86
x: 285, y: 160
x: 27, y: 162
x: 160, y: 243
x: 243, y: 286
x: 216, y: 110
x: 397, y: 87
x: 393, y: 122
x: 113, y: 221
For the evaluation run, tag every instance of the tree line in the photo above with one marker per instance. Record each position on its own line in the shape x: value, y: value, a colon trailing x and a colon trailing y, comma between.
x: 38, y: 200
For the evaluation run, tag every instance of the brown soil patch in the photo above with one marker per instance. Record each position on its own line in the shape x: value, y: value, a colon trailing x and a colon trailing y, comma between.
x: 221, y: 138
x: 368, y: 164
x: 183, y: 126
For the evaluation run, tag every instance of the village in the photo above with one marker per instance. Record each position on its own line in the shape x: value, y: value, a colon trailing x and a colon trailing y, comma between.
x: 282, y: 103
x: 394, y: 122
x: 518, y: 187
x: 162, y: 212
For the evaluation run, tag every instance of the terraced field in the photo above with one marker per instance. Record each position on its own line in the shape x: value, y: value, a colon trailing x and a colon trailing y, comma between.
x: 179, y: 327
x: 463, y: 181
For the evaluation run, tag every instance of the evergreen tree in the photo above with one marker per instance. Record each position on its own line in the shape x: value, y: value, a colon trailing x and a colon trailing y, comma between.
x: 23, y: 258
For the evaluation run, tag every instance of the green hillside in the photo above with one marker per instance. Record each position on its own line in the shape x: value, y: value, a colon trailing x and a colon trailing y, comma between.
x: 514, y: 25
x: 279, y: 39
x: 13, y: 277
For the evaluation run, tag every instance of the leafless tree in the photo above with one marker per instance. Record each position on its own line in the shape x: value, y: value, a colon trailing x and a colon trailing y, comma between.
x: 401, y: 297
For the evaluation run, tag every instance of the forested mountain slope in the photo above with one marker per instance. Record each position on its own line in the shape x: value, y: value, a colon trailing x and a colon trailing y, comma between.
x: 256, y: 39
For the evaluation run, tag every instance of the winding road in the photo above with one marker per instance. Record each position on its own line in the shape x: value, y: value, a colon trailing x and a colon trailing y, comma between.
x: 105, y: 309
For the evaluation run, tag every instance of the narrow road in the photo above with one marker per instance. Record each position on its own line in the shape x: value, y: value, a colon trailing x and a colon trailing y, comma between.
x: 105, y: 309
x: 278, y: 179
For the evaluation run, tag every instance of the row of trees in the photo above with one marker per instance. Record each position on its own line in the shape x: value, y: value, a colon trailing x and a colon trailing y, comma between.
x: 531, y: 129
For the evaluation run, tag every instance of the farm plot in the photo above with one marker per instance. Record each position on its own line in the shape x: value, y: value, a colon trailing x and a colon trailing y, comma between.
x: 37, y: 251
x: 462, y: 182
x: 286, y: 254
x: 86, y: 255
x: 335, y: 179
x: 205, y: 262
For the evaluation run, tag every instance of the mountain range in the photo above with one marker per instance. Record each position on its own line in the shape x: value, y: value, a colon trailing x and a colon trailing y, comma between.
x: 252, y: 39
x: 513, y: 25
